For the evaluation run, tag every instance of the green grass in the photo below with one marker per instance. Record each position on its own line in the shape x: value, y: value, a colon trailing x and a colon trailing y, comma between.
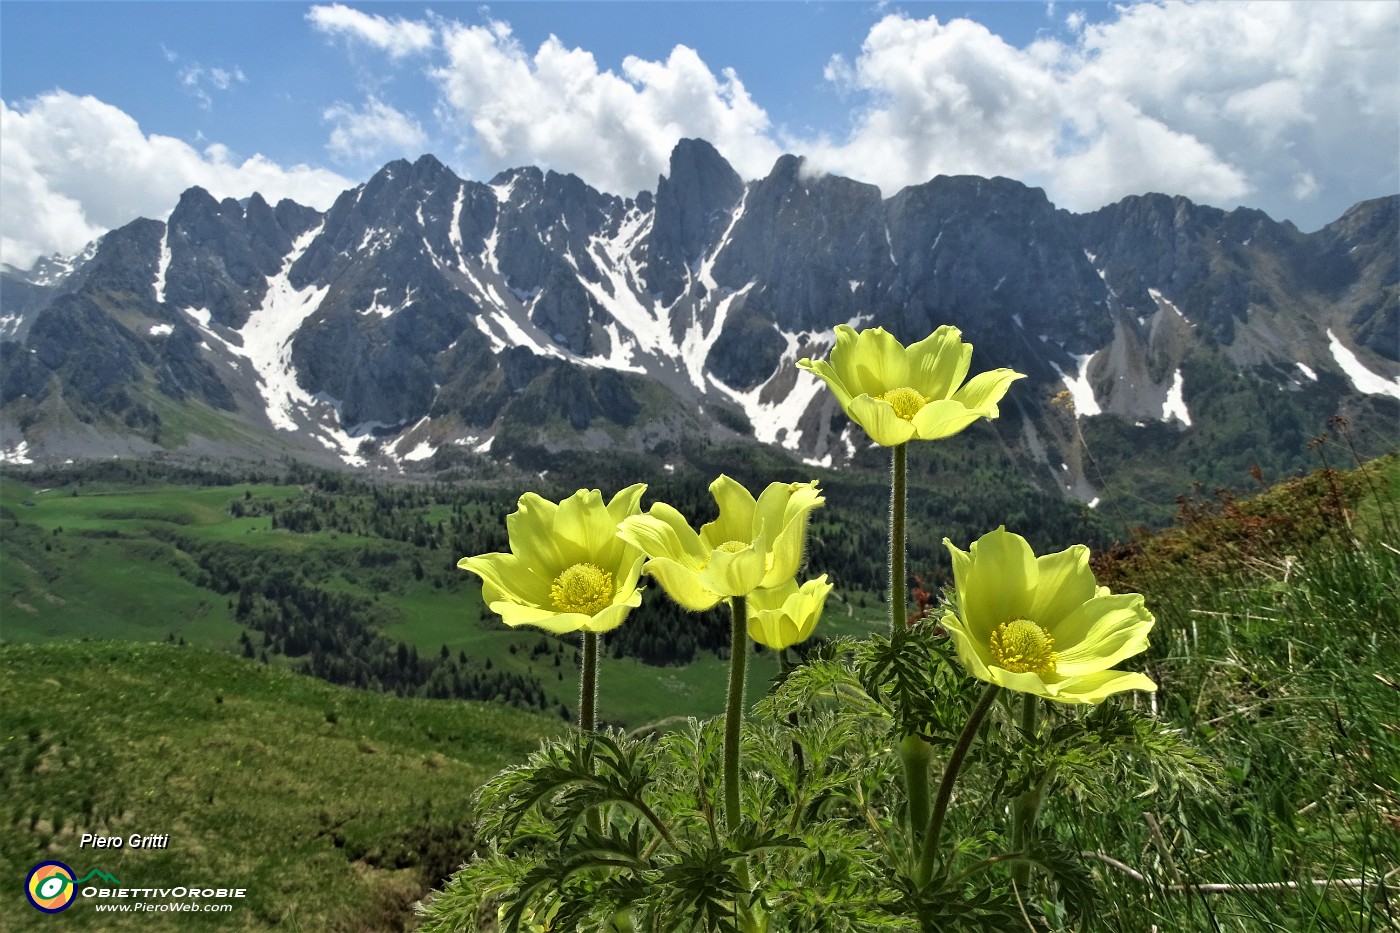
x: 1277, y: 650
x: 333, y: 808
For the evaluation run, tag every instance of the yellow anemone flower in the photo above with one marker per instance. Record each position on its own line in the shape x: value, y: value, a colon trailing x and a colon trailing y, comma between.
x: 785, y: 615
x: 898, y: 393
x: 1042, y: 625
x: 567, y: 570
x: 752, y: 544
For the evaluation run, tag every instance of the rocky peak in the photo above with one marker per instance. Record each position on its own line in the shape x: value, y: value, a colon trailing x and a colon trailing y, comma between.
x: 693, y: 206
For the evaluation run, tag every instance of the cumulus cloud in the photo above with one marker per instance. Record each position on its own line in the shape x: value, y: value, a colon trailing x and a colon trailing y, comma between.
x: 1291, y: 107
x: 398, y: 36
x: 556, y: 108
x: 73, y: 167
x: 374, y: 131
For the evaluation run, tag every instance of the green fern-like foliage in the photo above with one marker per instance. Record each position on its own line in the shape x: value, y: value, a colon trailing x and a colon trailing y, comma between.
x: 614, y: 832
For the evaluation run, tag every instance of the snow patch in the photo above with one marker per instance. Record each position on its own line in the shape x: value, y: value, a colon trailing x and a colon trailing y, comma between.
x: 162, y: 330
x: 19, y: 454
x: 385, y: 310
x: 648, y: 326
x: 1308, y: 372
x: 696, y: 344
x: 423, y: 451
x: 708, y: 263
x: 454, y: 232
x: 775, y: 421
x: 1361, y: 378
x: 163, y: 266
x: 1164, y: 302
x: 1175, y: 405
x: 1080, y: 392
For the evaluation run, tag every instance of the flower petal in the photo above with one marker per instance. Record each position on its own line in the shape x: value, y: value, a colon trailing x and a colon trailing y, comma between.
x: 514, y: 614
x: 939, y: 362
x: 736, y: 514
x: 999, y: 582
x: 506, y: 576
x: 879, y: 421
x: 781, y: 517
x: 1100, y: 633
x: 682, y: 584
x: 943, y: 418
x: 584, y: 530
x: 735, y: 573
x: 664, y: 532
x: 531, y: 531
x: 868, y: 361
x: 605, y: 620
x: 1094, y: 688
x: 824, y: 371
x: 786, y: 615
x: 984, y: 390
x: 972, y: 652
x: 1064, y: 583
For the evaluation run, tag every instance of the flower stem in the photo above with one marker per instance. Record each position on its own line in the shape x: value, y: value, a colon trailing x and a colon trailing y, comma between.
x: 1025, y: 807
x: 588, y: 684
x: 916, y: 756
x: 899, y: 607
x: 734, y: 709
x: 945, y: 787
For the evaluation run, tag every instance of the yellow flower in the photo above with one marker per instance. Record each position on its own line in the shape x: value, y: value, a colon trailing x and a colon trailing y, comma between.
x: 898, y: 394
x: 1042, y: 625
x: 567, y: 570
x: 785, y: 615
x: 752, y: 544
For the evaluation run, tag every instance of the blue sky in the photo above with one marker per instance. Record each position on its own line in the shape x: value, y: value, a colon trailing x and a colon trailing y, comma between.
x: 111, y: 109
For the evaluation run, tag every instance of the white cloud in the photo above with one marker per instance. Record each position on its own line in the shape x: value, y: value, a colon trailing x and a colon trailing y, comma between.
x: 1292, y: 107
x: 398, y: 36
x: 375, y: 131
x: 1222, y: 102
x: 73, y: 167
x: 558, y: 109
x: 198, y: 80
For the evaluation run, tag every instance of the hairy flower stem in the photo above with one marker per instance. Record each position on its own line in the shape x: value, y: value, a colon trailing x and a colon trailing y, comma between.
x: 899, y: 605
x: 932, y: 836
x: 734, y: 709
x: 1025, y: 807
x: 917, y: 757
x: 914, y: 752
x: 588, y: 684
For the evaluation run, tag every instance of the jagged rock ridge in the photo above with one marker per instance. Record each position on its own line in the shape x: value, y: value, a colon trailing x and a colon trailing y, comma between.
x: 423, y: 312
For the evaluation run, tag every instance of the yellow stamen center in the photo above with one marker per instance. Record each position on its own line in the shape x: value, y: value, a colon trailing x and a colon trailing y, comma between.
x: 585, y: 588
x: 1023, y: 647
x: 906, y: 401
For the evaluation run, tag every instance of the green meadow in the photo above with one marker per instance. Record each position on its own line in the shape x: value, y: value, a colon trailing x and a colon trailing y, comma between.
x: 114, y: 560
x: 333, y: 808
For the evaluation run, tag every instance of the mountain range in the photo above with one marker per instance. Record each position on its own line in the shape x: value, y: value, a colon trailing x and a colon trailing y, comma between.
x: 424, y: 314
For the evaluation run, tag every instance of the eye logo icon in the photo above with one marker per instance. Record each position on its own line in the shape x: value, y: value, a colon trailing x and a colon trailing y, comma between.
x: 50, y: 887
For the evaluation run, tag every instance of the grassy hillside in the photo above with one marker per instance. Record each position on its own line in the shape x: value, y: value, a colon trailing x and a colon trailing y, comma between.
x: 333, y: 808
x: 127, y: 560
x: 1277, y: 649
